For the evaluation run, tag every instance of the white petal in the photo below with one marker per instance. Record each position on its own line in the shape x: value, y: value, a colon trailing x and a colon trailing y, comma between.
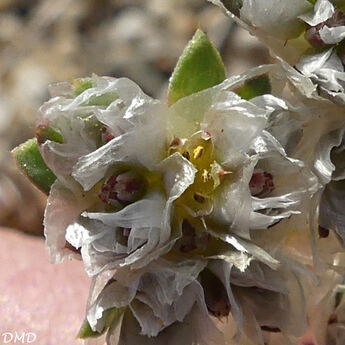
x: 311, y: 63
x: 232, y: 203
x: 223, y: 271
x: 278, y: 17
x: 323, y: 10
x: 248, y: 247
x: 332, y: 35
x: 233, y: 123
x: 133, y: 215
x: 92, y: 167
x: 323, y: 163
x: 63, y: 208
x: 178, y: 175
x: 115, y: 294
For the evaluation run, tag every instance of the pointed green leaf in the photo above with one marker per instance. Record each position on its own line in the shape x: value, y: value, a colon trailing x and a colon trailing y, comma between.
x: 31, y: 163
x: 110, y: 315
x: 199, y: 67
x: 257, y: 86
x: 80, y: 85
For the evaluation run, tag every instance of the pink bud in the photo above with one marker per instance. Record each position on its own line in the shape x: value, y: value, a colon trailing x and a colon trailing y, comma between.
x: 312, y: 35
x: 106, y: 134
x: 261, y: 183
x: 123, y: 188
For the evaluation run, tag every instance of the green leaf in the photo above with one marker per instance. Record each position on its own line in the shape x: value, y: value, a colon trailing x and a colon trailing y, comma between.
x: 80, y: 85
x: 257, y: 86
x: 86, y: 331
x: 199, y: 67
x: 45, y: 132
x: 102, y: 100
x: 31, y: 163
x: 110, y: 315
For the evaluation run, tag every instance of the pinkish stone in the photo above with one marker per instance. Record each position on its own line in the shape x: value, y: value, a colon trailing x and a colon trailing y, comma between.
x: 36, y: 296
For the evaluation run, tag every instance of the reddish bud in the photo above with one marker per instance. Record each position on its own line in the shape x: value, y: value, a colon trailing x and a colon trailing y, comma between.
x: 123, y: 188
x: 261, y: 183
x: 106, y: 134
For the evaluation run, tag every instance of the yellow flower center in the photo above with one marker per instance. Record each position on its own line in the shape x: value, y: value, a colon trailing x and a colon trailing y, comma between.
x: 200, y: 152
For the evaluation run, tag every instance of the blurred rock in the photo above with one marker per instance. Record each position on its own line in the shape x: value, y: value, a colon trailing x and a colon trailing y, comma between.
x: 36, y: 296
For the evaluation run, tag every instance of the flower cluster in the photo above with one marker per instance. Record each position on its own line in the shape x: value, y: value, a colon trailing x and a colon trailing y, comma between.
x: 307, y: 38
x: 207, y: 220
x: 166, y: 203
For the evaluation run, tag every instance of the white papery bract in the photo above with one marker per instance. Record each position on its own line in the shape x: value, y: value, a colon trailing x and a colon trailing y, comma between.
x: 276, y: 23
x: 331, y: 208
x: 314, y: 65
x: 311, y: 51
x: 174, y: 200
x: 309, y: 37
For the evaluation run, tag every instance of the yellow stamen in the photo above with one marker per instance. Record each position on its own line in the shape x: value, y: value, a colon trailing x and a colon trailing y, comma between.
x: 198, y: 152
x: 205, y: 175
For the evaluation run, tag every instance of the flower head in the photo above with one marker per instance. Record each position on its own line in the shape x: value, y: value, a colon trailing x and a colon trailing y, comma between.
x: 174, y: 189
x: 185, y: 213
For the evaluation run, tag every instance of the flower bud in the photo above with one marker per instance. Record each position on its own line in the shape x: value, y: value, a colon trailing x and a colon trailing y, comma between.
x: 261, y: 183
x: 312, y: 35
x: 123, y: 188
x: 192, y: 240
x: 106, y: 134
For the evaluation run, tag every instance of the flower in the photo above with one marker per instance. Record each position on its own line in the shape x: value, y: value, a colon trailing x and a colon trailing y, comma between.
x: 196, y: 218
x: 308, y: 37
x: 175, y: 194
x: 277, y: 23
